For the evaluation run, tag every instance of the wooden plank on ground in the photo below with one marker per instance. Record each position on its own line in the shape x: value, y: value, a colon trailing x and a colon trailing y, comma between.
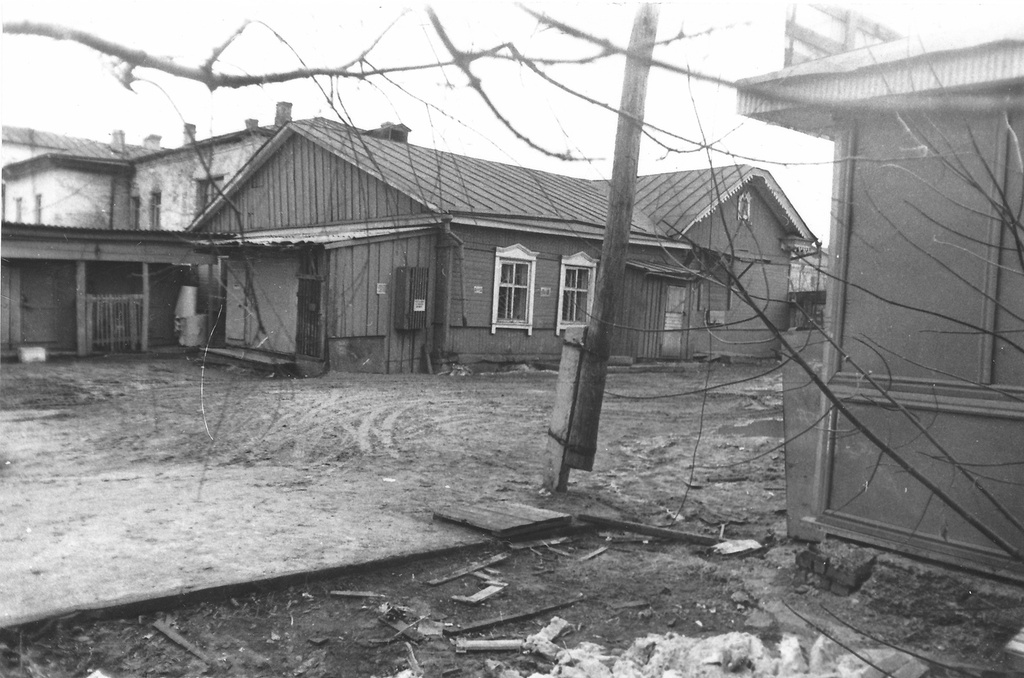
x: 518, y: 616
x: 356, y: 594
x: 461, y: 572
x: 165, y: 628
x: 512, y: 645
x: 519, y: 546
x: 504, y: 520
x: 663, y: 532
x: 595, y: 553
x: 481, y: 595
x: 488, y: 578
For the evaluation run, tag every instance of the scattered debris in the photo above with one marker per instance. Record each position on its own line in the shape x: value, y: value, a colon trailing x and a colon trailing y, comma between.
x: 1015, y: 651
x: 595, y: 553
x: 462, y: 572
x: 319, y: 641
x: 463, y: 645
x: 737, y: 546
x: 164, y: 627
x: 508, y: 618
x: 840, y: 574
x: 629, y: 604
x: 542, y: 642
x: 414, y: 665
x: 505, y: 520
x: 403, y: 629
x: 356, y: 594
x: 480, y: 596
x: 431, y: 628
x: 640, y: 528
x: 561, y: 552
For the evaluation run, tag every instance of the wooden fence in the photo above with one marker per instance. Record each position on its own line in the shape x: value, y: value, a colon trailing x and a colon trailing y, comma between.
x: 114, y: 322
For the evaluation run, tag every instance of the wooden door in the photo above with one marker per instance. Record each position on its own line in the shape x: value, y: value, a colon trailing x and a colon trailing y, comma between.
x: 309, y: 333
x: 235, y: 307
x: 10, y: 317
x: 48, y: 315
x: 673, y: 339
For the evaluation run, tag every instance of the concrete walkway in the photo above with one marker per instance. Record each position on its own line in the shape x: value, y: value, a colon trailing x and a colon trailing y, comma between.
x: 71, y: 544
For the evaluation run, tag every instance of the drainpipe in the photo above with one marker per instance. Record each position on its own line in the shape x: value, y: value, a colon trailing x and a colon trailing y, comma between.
x: 442, y: 337
x: 113, y: 192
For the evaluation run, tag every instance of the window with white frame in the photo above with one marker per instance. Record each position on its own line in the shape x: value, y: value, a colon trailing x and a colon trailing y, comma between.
x: 515, y: 270
x: 576, y: 290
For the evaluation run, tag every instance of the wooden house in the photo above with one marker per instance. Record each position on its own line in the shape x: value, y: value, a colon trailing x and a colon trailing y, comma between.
x: 927, y: 310
x: 366, y: 252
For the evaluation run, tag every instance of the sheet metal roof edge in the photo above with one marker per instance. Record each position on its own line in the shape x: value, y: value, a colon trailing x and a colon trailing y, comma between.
x: 877, y: 57
x: 24, y: 231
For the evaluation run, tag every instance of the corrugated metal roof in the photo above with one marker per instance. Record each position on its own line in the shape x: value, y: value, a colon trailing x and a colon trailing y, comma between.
x: 66, y: 145
x: 458, y: 184
x: 675, y: 201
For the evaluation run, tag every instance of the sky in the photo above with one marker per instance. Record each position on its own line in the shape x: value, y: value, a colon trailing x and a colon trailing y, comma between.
x: 66, y: 88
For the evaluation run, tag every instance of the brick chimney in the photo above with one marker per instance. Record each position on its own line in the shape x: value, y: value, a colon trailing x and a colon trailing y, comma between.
x: 283, y: 115
x: 117, y: 141
x: 188, y: 134
x: 252, y: 124
x: 152, y: 142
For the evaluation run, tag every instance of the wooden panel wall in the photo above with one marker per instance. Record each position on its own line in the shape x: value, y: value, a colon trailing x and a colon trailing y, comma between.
x: 917, y: 238
x: 641, y: 317
x: 304, y: 185
x: 355, y: 309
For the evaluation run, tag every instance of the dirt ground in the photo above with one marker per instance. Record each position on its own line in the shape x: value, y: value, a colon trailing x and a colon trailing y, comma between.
x: 711, y: 461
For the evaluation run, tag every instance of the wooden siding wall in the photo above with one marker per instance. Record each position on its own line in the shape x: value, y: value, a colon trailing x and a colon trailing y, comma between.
x: 356, y: 311
x: 472, y: 294
x: 641, y: 317
x: 743, y: 333
x: 758, y: 239
x: 304, y: 185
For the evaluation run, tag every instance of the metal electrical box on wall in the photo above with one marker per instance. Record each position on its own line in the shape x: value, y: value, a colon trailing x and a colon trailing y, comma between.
x: 409, y: 301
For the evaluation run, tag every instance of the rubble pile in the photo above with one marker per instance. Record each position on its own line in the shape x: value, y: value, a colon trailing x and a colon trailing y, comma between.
x: 728, y: 655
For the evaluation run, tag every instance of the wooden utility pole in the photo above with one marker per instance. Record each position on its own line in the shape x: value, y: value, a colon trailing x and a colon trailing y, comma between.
x: 575, y: 417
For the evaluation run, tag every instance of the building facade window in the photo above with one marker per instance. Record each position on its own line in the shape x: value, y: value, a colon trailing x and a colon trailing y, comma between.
x: 17, y: 210
x: 515, y: 271
x: 207, y: 190
x: 136, y: 212
x: 39, y: 208
x: 154, y: 211
x: 575, y: 294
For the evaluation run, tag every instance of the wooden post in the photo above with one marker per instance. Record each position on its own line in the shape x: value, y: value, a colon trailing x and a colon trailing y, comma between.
x: 80, y: 310
x: 145, y: 308
x: 580, y: 445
